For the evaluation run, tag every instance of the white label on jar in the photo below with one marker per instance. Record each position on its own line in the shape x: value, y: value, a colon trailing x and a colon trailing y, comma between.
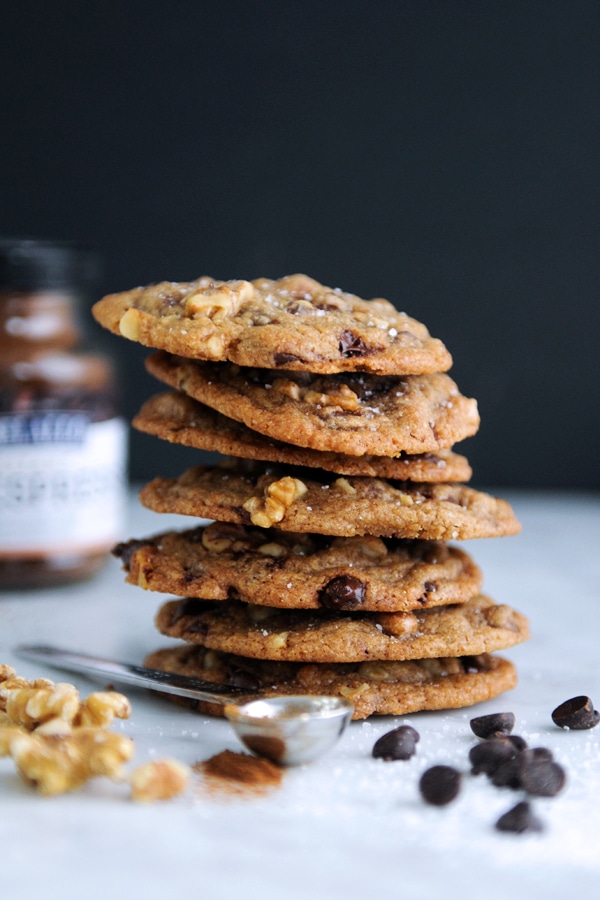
x: 62, y: 483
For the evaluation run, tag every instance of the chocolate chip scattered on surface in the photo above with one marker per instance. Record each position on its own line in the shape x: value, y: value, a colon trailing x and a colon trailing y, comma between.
x: 490, y: 755
x: 578, y: 714
x: 440, y: 785
x: 493, y: 724
x: 400, y: 743
x: 519, y: 819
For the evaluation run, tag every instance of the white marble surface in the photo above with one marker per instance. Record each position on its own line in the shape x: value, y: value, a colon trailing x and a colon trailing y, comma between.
x: 347, y: 826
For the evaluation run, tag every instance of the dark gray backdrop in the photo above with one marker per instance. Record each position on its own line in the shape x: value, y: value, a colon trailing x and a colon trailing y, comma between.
x: 443, y: 154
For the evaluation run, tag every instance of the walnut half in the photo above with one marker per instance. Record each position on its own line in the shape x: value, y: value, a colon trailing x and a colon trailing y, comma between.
x: 276, y: 500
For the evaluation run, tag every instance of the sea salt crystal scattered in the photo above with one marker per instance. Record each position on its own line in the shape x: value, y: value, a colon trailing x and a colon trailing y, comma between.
x: 392, y: 332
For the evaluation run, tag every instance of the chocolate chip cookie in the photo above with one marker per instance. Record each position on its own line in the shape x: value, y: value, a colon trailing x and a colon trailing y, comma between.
x: 301, y: 571
x: 177, y: 418
x: 328, y: 636
x: 301, y: 500
x: 375, y: 688
x: 354, y: 413
x: 290, y: 323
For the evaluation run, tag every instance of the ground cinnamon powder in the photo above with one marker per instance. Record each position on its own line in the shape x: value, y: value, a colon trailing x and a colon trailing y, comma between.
x: 239, y: 773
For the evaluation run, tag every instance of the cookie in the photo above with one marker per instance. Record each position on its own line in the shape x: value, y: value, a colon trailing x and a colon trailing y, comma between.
x: 352, y: 413
x: 375, y: 688
x: 177, y: 418
x: 292, y: 323
x: 327, y: 636
x: 301, y: 571
x: 302, y: 500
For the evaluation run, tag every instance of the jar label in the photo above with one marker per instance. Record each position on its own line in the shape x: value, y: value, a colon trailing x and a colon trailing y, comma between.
x: 62, y: 482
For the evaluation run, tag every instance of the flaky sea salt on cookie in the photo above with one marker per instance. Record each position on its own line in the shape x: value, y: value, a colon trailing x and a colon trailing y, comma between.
x: 477, y: 626
x: 375, y: 687
x: 177, y: 418
x: 300, y: 571
x: 291, y: 323
x: 354, y: 413
x: 311, y: 501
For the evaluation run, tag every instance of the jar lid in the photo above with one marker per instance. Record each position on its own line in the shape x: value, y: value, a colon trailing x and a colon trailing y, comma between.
x: 32, y: 264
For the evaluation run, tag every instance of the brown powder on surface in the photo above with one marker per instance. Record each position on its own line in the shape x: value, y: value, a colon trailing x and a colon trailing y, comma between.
x: 239, y: 773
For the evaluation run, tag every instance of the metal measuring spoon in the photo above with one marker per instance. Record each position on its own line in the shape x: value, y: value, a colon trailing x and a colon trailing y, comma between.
x: 287, y: 730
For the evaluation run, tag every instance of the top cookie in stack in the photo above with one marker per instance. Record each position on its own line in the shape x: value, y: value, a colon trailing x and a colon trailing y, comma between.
x: 326, y: 569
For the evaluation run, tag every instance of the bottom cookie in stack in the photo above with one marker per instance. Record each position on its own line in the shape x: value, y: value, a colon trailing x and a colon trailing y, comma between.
x: 375, y: 688
x: 394, y: 625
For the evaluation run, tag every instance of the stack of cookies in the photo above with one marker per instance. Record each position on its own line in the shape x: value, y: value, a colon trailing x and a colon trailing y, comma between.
x: 327, y: 567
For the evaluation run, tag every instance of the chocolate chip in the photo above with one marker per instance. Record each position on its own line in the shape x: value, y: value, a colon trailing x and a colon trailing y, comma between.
x: 494, y: 724
x: 472, y: 664
x: 519, y: 819
x: 542, y: 777
x: 400, y: 743
x: 518, y: 742
x: 343, y: 592
x: 281, y: 359
x: 240, y: 678
x: 440, y: 785
x: 508, y: 773
x: 127, y: 549
x: 542, y: 753
x: 533, y: 771
x: 188, y: 607
x: 352, y: 345
x: 490, y: 755
x: 578, y: 713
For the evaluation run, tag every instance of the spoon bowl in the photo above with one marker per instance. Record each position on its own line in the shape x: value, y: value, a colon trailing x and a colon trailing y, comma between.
x: 290, y: 730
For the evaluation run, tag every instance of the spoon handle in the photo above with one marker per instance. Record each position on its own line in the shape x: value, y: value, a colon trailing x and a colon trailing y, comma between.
x: 139, y: 676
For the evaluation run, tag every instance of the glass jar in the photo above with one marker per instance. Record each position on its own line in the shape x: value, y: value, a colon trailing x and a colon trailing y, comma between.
x: 62, y: 441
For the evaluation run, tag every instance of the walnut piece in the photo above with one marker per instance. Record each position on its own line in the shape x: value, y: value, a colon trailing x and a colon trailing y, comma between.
x: 398, y: 623
x: 220, y: 537
x: 160, y: 779
x: 276, y: 500
x: 101, y: 707
x: 343, y: 485
x: 219, y: 301
x: 56, y: 764
x: 499, y: 616
x: 344, y: 397
x: 129, y: 324
x: 288, y: 388
x: 367, y: 545
x: 272, y: 549
x: 30, y: 706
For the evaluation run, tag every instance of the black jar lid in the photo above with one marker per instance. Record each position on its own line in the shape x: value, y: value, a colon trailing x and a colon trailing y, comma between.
x: 28, y: 264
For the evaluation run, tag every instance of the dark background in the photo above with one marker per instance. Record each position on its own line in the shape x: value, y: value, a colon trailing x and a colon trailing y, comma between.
x: 442, y: 154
